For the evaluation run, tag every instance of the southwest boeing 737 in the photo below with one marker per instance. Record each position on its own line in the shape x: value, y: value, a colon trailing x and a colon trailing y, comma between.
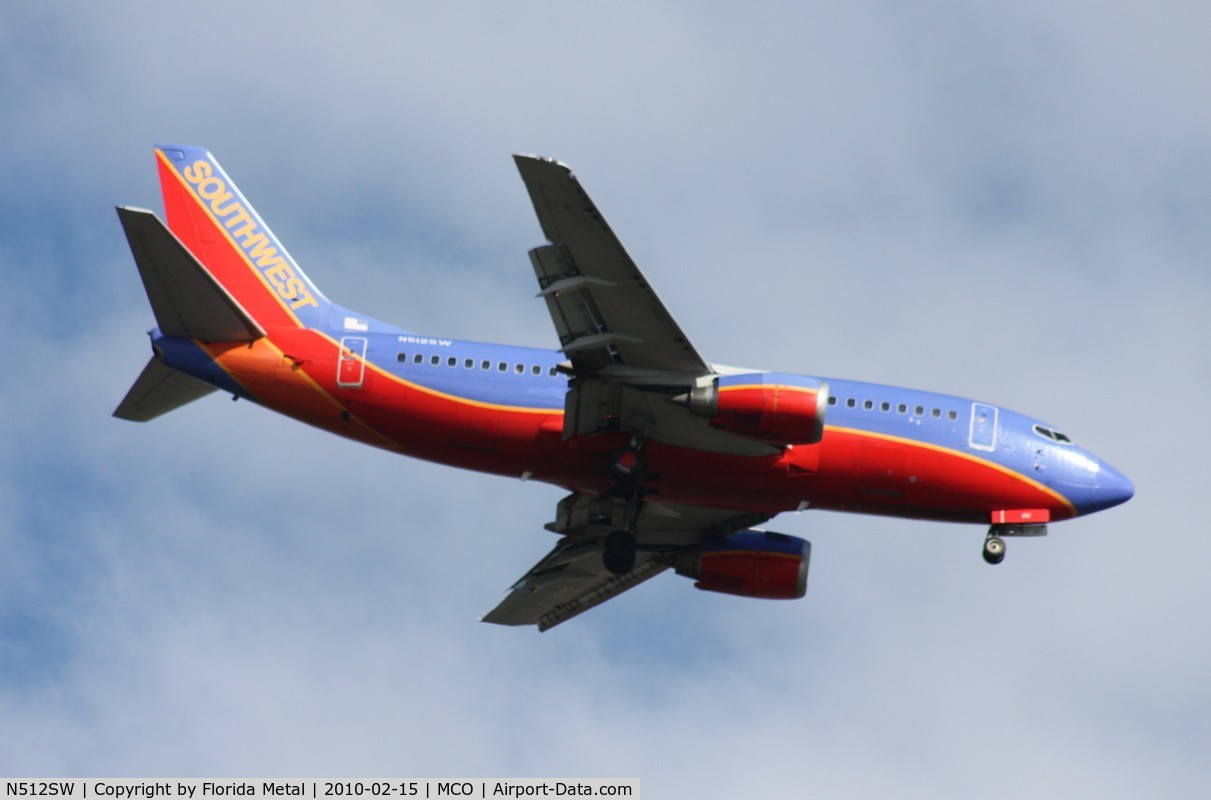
x: 669, y: 460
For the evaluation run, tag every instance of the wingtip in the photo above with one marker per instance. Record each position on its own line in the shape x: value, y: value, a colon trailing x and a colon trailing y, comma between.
x: 524, y: 160
x: 519, y: 157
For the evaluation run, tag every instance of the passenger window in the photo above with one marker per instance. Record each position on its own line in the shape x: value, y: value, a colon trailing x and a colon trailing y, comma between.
x: 902, y: 409
x: 519, y: 368
x: 435, y: 360
x: 485, y: 364
x: 919, y: 411
x: 951, y: 415
x: 885, y: 406
x: 850, y: 402
x: 553, y: 371
x: 402, y: 358
x: 502, y: 367
x: 936, y: 413
x: 832, y: 401
x: 418, y: 359
x: 451, y: 362
x: 469, y: 363
x: 868, y: 405
x: 535, y: 370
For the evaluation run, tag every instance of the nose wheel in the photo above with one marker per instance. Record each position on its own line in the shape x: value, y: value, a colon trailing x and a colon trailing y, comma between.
x: 994, y: 549
x: 994, y: 545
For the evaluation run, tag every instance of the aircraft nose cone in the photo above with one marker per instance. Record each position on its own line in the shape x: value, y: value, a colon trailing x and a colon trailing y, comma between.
x: 1113, y: 488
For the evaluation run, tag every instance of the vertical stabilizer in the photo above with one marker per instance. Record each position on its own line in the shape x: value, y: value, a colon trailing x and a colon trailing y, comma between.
x: 215, y: 222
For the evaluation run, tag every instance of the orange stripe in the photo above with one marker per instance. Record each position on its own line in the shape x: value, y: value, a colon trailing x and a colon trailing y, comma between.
x: 244, y: 359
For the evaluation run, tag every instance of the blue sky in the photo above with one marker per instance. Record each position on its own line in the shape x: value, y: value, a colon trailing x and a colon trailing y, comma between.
x: 1009, y: 204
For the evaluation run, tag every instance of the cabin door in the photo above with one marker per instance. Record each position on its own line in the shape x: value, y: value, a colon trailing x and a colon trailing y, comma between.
x: 351, y: 362
x: 983, y: 434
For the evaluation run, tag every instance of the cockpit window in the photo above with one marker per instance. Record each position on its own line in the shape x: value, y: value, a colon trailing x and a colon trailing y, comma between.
x: 1055, y: 436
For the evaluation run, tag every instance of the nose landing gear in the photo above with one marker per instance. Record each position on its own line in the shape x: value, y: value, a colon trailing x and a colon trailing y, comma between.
x: 994, y: 549
x: 994, y: 543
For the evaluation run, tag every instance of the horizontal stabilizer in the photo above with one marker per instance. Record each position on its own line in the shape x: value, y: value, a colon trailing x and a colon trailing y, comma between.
x: 186, y: 299
x: 158, y: 390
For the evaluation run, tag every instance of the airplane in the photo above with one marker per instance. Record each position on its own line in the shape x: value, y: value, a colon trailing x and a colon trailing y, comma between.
x: 670, y: 461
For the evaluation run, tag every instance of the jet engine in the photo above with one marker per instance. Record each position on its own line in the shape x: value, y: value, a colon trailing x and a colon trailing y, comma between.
x: 780, y: 409
x: 749, y: 563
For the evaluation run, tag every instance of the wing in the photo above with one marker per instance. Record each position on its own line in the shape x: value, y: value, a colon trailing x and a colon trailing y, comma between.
x: 571, y: 579
x: 628, y: 355
x: 605, y: 311
x: 628, y: 358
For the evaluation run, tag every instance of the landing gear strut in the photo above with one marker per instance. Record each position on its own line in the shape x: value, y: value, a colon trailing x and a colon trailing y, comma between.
x: 627, y: 471
x: 994, y: 549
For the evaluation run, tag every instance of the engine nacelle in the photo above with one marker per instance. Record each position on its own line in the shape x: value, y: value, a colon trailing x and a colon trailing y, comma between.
x: 750, y: 564
x: 773, y: 407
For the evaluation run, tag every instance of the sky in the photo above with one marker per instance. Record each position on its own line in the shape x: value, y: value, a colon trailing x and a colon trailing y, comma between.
x: 1002, y: 202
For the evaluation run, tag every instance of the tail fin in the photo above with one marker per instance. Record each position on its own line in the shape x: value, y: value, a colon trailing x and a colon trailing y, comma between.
x: 215, y: 223
x: 215, y: 274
